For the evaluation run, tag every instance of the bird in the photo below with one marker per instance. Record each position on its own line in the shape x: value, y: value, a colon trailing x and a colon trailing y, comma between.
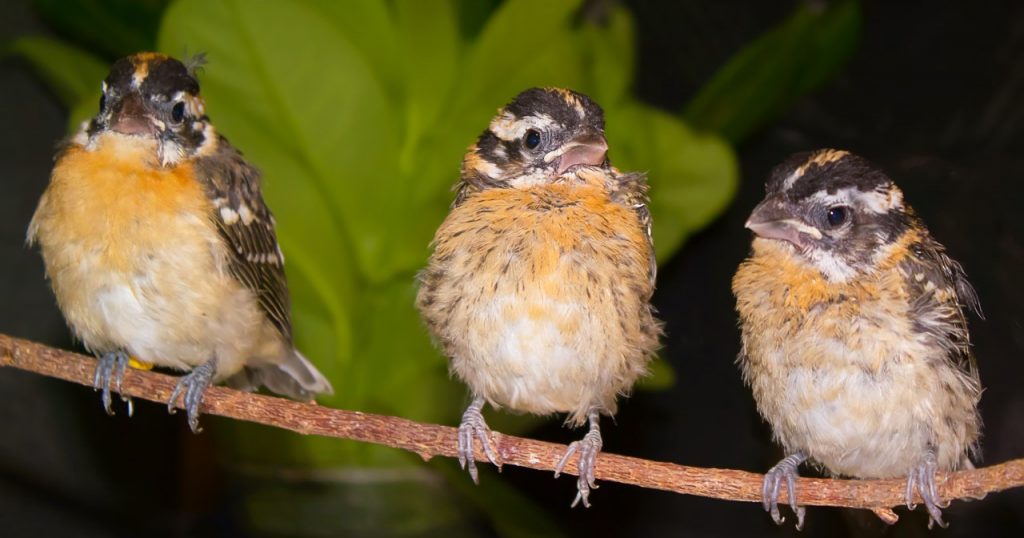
x: 539, y: 284
x: 855, y: 338
x: 159, y: 247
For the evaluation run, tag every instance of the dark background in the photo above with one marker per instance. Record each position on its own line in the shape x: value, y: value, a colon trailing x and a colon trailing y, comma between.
x: 933, y: 95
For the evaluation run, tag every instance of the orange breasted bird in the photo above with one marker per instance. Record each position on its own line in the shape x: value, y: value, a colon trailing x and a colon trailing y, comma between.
x: 538, y: 289
x: 855, y: 339
x: 159, y: 247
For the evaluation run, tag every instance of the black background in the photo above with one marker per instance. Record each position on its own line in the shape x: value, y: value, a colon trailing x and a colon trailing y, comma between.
x: 933, y: 95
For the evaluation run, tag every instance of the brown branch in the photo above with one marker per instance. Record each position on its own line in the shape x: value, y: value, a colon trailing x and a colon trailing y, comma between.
x: 430, y: 440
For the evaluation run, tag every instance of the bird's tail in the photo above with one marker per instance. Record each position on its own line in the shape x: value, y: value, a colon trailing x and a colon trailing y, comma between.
x: 295, y: 377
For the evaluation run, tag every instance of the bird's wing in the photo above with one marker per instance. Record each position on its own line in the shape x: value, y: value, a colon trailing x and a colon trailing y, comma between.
x: 247, y: 227
x: 630, y: 190
x: 939, y: 292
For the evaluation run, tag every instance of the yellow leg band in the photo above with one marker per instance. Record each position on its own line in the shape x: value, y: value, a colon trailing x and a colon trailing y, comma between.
x: 139, y: 365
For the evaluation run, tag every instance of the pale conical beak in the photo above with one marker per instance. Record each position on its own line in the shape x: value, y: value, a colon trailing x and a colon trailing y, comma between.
x: 771, y: 220
x: 586, y: 149
x: 131, y: 117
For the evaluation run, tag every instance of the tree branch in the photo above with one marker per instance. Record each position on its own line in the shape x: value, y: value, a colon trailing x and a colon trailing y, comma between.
x: 429, y: 440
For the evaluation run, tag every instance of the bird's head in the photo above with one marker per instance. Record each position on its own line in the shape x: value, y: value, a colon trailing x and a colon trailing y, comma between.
x: 540, y: 137
x: 153, y: 97
x: 838, y: 211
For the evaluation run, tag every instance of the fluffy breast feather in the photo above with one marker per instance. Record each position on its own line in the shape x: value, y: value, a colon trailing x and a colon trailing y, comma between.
x: 137, y: 264
x: 844, y: 373
x: 540, y: 297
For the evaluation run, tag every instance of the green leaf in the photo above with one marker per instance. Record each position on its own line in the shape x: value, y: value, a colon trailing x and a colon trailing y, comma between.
x: 527, y: 42
x: 368, y: 27
x: 72, y: 73
x: 331, y: 119
x: 401, y: 372
x: 767, y: 76
x: 429, y: 46
x: 111, y: 28
x: 473, y: 14
x: 692, y: 175
x: 608, y: 50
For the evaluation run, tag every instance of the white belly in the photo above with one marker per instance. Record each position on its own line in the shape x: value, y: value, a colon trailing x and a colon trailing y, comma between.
x: 866, y: 406
x: 535, y: 355
x: 176, y: 306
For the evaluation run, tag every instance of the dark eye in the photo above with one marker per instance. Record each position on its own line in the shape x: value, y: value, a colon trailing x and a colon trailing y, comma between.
x: 103, y: 102
x: 837, y: 215
x: 178, y: 112
x: 532, y: 139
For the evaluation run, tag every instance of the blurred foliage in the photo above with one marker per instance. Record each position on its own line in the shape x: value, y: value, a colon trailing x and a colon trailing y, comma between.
x: 767, y: 76
x: 110, y: 29
x: 359, y: 112
x: 70, y: 72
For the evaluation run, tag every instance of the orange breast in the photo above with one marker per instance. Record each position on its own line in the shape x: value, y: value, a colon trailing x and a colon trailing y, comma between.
x: 115, y: 197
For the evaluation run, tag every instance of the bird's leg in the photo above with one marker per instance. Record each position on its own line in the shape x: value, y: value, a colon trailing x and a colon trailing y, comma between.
x: 194, y: 384
x: 922, y: 480
x: 785, y: 469
x: 473, y: 425
x: 110, y: 370
x: 588, y: 447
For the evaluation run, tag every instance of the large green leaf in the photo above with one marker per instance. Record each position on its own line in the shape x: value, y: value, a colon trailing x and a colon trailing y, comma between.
x: 524, y: 43
x: 767, y: 76
x: 692, y: 175
x: 607, y: 47
x: 429, y: 47
x: 70, y: 72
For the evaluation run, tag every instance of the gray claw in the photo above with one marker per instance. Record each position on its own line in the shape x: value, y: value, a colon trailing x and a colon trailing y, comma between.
x: 922, y: 480
x: 110, y: 369
x: 194, y: 385
x: 588, y: 447
x: 787, y: 468
x: 473, y: 425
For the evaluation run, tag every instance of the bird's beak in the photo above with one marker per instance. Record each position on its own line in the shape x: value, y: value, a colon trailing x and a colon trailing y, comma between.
x: 587, y: 149
x: 772, y: 220
x: 130, y: 117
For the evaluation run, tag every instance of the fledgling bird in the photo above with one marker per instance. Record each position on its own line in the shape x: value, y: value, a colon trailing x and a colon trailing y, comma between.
x: 539, y: 285
x: 159, y: 247
x: 855, y: 342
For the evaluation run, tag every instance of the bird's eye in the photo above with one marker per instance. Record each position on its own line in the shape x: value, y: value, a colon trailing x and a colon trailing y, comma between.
x: 532, y: 139
x: 178, y: 112
x: 837, y: 215
x: 103, y: 102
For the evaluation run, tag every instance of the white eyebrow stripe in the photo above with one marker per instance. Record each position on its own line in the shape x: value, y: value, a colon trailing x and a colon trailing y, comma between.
x: 874, y: 201
x: 789, y: 181
x: 508, y: 127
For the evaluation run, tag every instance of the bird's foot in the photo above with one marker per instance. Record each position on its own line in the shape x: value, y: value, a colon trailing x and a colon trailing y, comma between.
x: 110, y: 369
x: 473, y: 425
x: 785, y: 469
x: 922, y: 480
x: 194, y: 385
x: 588, y: 448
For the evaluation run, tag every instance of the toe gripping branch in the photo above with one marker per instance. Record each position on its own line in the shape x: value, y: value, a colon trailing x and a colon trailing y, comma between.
x: 474, y: 426
x: 785, y: 469
x: 110, y: 369
x: 922, y: 480
x: 588, y: 447
x: 194, y: 385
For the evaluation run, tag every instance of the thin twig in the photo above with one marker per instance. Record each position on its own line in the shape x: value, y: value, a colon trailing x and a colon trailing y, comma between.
x: 429, y: 440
